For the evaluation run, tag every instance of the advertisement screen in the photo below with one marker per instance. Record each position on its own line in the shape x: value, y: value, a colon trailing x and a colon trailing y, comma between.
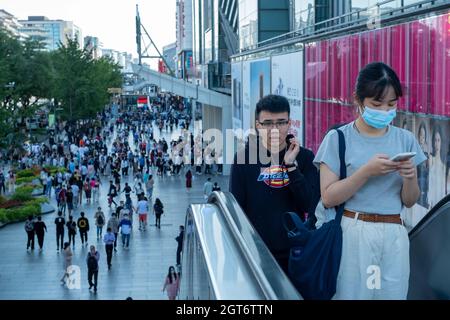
x: 287, y: 81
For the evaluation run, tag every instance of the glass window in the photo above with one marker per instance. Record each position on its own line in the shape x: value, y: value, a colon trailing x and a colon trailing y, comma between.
x: 248, y: 23
x: 304, y: 14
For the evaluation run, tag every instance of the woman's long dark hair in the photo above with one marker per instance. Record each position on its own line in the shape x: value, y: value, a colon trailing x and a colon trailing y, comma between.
x: 158, y: 203
x: 169, y: 275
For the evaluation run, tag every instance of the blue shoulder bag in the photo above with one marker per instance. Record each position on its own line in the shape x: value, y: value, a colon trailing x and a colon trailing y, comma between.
x: 315, y: 255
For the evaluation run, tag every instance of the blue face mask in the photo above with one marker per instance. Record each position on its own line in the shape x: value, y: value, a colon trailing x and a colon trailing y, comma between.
x: 378, y: 119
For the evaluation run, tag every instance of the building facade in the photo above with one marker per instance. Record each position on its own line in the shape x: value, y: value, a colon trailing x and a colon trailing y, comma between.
x: 52, y: 32
x: 170, y: 55
x: 93, y: 45
x: 9, y: 23
x: 184, y: 59
x: 215, y: 40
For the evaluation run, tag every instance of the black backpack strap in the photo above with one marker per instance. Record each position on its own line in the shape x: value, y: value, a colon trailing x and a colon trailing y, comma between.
x: 342, y: 172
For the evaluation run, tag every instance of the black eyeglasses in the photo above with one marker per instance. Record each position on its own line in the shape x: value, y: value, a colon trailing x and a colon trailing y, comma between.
x: 274, y: 124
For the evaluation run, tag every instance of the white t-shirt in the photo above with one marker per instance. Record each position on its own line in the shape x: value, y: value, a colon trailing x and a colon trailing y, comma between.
x: 142, y: 207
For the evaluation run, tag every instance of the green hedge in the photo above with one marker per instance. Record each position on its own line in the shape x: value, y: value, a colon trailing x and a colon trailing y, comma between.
x: 25, y: 189
x: 26, y: 173
x: 26, y: 179
x: 53, y: 170
x: 23, y: 194
x: 38, y: 201
x: 20, y: 213
x: 3, y: 216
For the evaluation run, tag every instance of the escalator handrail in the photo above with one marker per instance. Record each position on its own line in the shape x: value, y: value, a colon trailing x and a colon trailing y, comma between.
x: 232, y: 211
x: 429, y: 215
x: 193, y: 211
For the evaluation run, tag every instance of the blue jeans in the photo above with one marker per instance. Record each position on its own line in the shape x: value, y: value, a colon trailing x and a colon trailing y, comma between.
x: 48, y: 190
x: 99, y: 231
x: 126, y: 237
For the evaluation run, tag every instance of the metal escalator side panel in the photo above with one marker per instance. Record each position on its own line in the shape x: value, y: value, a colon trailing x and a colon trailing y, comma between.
x: 212, y: 265
x: 266, y: 270
x: 430, y: 255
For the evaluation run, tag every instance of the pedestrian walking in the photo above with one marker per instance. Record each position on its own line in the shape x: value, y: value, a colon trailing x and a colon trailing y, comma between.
x: 158, y: 209
x: 113, y: 223
x: 60, y: 222
x: 100, y: 221
x: 29, y: 228
x: 125, y: 226
x: 83, y: 227
x: 71, y: 230
x: 40, y: 228
x: 171, y: 284
x: 179, y: 240
x: 92, y: 259
x: 188, y: 180
x: 109, y: 240
x: 142, y: 210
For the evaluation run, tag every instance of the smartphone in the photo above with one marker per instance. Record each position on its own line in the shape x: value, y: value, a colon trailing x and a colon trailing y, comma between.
x: 403, y: 156
x: 288, y: 139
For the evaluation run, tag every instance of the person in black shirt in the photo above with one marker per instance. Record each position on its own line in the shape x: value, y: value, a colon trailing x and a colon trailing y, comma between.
x: 270, y: 177
x: 69, y: 200
x: 83, y: 226
x: 216, y: 187
x: 40, y: 228
x: 127, y: 189
x: 179, y: 239
x: 112, y: 193
x: 60, y: 223
x: 72, y: 230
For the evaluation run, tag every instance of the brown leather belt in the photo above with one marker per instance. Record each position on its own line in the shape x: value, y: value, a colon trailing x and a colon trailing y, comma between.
x: 385, y: 218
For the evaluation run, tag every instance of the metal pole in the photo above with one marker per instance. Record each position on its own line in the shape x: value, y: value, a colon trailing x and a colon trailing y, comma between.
x: 160, y: 55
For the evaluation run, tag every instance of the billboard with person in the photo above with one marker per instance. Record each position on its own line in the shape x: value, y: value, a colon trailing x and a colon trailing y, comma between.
x: 287, y: 81
x: 432, y: 175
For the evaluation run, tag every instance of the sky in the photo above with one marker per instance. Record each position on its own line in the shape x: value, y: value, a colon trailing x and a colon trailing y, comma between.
x: 112, y: 21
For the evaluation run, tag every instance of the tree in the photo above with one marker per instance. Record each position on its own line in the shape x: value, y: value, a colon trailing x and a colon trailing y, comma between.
x: 29, y: 75
x: 81, y: 83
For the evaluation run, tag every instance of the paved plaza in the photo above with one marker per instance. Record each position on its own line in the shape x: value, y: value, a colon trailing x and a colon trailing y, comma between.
x: 138, y: 272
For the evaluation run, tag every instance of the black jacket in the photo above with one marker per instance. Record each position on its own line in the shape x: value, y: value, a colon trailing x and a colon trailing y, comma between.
x: 265, y: 192
x: 60, y: 223
x: 180, y: 240
x: 40, y: 227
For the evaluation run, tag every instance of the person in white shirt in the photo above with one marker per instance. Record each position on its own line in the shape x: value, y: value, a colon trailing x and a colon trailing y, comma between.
x: 142, y: 210
x: 76, y: 194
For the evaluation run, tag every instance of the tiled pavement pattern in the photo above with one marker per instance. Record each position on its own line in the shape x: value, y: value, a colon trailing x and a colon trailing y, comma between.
x: 138, y: 272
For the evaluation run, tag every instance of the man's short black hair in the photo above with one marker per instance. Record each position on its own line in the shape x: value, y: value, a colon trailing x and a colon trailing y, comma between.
x: 272, y: 103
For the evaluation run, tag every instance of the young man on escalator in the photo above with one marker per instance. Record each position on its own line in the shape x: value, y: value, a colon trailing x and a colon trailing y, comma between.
x: 270, y: 177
